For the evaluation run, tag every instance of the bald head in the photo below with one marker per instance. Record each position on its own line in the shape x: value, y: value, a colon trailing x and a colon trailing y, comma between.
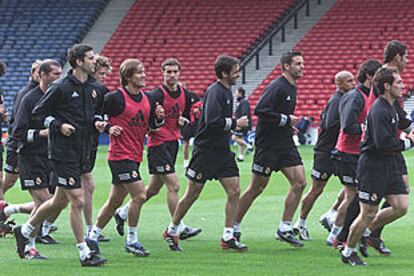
x: 344, y: 81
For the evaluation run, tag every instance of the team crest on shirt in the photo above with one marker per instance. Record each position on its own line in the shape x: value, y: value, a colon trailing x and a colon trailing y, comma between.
x: 134, y: 174
x: 268, y: 170
x: 167, y: 168
x: 324, y: 176
x: 71, y: 181
x: 94, y: 94
x: 374, y: 197
x: 199, y: 176
x: 38, y: 181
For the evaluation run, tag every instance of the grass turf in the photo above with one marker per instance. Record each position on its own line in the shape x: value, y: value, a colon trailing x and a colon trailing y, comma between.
x: 202, y: 255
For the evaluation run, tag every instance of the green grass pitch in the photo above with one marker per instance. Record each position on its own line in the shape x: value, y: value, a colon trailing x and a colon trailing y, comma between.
x: 202, y: 255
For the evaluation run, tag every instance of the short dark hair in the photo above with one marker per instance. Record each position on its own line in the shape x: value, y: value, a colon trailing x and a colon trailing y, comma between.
x: 224, y: 63
x: 384, y: 75
x: 77, y: 52
x: 241, y: 91
x: 287, y: 58
x: 394, y: 48
x: 127, y: 69
x: 171, y: 61
x: 46, y: 65
x: 369, y: 67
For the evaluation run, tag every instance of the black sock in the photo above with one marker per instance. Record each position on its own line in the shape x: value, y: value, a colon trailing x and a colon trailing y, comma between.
x: 351, y: 213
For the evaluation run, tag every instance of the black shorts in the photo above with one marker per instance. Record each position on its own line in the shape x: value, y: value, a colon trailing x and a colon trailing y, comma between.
x: 90, y: 163
x: 124, y: 171
x: 346, y: 167
x: 241, y: 132
x: 66, y: 174
x: 323, y: 166
x: 11, y: 162
x: 162, y: 158
x: 207, y: 164
x: 266, y: 161
x: 401, y: 164
x: 34, y: 171
x: 378, y: 178
x: 188, y: 131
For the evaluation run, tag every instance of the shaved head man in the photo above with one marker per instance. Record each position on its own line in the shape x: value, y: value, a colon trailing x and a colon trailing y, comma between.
x: 323, y: 166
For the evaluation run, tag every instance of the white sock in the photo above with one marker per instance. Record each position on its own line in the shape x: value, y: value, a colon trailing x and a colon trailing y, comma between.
x: 181, y: 227
x: 249, y: 146
x: 172, y: 229
x: 336, y: 229
x: 228, y: 233
x: 301, y: 222
x: 95, y: 233
x: 367, y: 233
x: 132, y: 235
x: 348, y: 251
x: 27, y: 230
x: 11, y: 209
x: 186, y: 162
x: 123, y: 211
x: 46, y: 228
x: 84, y: 250
x: 332, y: 215
x: 241, y: 157
x: 334, y: 232
x: 285, y: 226
x: 237, y: 227
x: 31, y: 244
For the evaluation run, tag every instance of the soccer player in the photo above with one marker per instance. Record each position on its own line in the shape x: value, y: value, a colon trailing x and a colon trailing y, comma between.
x: 213, y: 141
x: 323, y: 166
x: 275, y: 149
x: 379, y: 173
x: 131, y: 114
x: 70, y: 116
x: 353, y: 110
x: 395, y: 56
x: 32, y: 159
x: 102, y: 69
x: 10, y: 167
x: 242, y: 109
x: 163, y: 143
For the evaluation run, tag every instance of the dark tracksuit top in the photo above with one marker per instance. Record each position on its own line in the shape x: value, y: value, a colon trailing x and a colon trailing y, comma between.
x: 98, y: 102
x: 216, y: 121
x: 69, y: 101
x: 243, y: 109
x: 277, y: 102
x: 12, y: 143
x: 351, y: 107
x: 26, y: 128
x: 381, y: 140
x: 329, y: 132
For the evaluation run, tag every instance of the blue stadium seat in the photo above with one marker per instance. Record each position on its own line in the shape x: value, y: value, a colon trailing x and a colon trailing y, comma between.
x: 31, y: 30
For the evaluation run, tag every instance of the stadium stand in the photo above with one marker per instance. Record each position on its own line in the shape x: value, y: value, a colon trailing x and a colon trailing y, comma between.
x: 351, y: 32
x: 193, y: 31
x: 40, y: 29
